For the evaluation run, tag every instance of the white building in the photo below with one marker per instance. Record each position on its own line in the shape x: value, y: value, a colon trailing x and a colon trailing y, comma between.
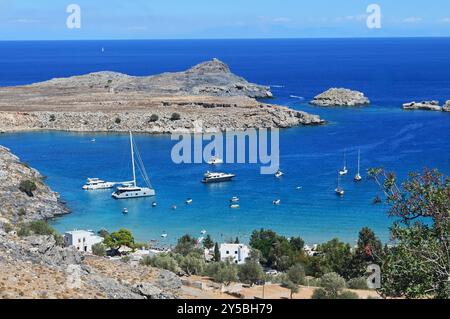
x: 236, y: 252
x: 81, y: 240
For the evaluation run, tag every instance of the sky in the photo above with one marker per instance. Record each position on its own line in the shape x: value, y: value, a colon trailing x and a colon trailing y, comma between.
x: 218, y: 19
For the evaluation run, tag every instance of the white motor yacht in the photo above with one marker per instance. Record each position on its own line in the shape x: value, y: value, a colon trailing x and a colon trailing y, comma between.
x: 210, y: 177
x: 96, y: 184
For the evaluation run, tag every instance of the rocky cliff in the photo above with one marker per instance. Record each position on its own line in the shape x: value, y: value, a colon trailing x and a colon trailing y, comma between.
x: 16, y: 179
x: 340, y: 97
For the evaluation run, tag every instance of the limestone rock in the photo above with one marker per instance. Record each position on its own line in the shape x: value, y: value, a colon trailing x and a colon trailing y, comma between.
x: 212, y: 78
x: 340, y: 97
x: 16, y: 204
x: 446, y: 107
x: 425, y: 105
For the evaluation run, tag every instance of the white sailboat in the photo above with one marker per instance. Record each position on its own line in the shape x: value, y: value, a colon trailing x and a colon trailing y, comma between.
x: 130, y: 189
x: 358, y: 177
x: 344, y: 170
x: 339, y: 190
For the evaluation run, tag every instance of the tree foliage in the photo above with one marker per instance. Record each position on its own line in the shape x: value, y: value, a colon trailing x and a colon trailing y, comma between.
x: 251, y: 272
x: 115, y: 240
x: 277, y: 251
x: 418, y: 263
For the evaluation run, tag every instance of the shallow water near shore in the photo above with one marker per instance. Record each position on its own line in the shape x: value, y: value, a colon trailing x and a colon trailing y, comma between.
x: 389, y: 71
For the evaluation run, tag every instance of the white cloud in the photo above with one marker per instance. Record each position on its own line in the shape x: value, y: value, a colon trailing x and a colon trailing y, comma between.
x: 25, y: 20
x: 445, y: 20
x: 357, y: 18
x: 412, y: 20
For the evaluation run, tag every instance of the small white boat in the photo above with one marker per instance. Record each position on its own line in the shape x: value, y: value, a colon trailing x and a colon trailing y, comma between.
x: 93, y: 140
x: 215, y: 161
x: 339, y: 190
x: 299, y: 188
x: 189, y: 201
x: 203, y: 232
x: 234, y: 199
x: 358, y: 177
x: 344, y: 170
x: 234, y: 206
x: 125, y: 211
x: 174, y: 207
x: 96, y: 184
x: 163, y: 235
x: 279, y: 174
x: 154, y: 204
x: 277, y: 202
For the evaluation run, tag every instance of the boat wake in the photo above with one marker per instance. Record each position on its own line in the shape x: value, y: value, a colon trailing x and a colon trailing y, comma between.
x: 296, y: 97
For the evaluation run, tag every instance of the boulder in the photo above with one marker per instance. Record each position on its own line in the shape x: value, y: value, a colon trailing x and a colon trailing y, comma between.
x: 425, y: 105
x: 446, y: 107
x: 340, y: 97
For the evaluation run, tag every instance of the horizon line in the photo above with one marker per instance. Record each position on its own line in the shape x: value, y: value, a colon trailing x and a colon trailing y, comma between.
x: 225, y: 38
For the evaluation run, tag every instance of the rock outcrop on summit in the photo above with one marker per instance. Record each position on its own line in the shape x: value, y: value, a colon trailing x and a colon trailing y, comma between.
x: 340, y: 97
x: 211, y: 78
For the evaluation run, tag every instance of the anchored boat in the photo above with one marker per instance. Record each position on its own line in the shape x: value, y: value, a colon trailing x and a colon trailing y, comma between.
x: 358, y: 177
x: 96, y: 184
x: 130, y: 189
x: 210, y: 177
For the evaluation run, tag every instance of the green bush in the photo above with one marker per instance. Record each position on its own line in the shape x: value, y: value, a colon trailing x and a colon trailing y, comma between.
x: 357, y: 283
x: 99, y: 249
x: 24, y: 231
x: 41, y: 227
x: 251, y: 272
x: 220, y: 272
x: 319, y: 293
x: 117, y: 120
x: 296, y: 274
x: 164, y: 261
x: 27, y: 187
x: 59, y: 239
x: 154, y: 118
x: 192, y: 264
x: 333, y: 284
x: 175, y: 117
x: 348, y: 295
x: 52, y: 118
x: 146, y: 261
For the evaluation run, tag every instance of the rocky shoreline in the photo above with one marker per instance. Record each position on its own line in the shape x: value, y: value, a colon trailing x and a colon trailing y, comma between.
x: 38, y: 266
x: 205, y: 98
x: 340, y: 97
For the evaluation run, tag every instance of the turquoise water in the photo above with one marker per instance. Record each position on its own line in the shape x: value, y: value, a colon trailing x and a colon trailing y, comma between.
x: 310, y: 156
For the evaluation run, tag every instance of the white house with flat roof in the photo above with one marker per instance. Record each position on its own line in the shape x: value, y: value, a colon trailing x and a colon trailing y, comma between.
x: 81, y: 239
x: 236, y: 252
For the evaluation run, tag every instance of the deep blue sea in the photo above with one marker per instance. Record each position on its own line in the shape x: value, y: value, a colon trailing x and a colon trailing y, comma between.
x: 388, y: 71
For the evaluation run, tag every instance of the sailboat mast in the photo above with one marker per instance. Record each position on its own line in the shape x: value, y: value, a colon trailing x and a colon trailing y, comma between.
x: 359, y: 160
x: 132, y: 159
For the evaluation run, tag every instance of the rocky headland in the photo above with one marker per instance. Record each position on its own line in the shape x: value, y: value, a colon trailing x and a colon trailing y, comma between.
x: 38, y: 266
x: 340, y: 97
x: 207, y: 97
